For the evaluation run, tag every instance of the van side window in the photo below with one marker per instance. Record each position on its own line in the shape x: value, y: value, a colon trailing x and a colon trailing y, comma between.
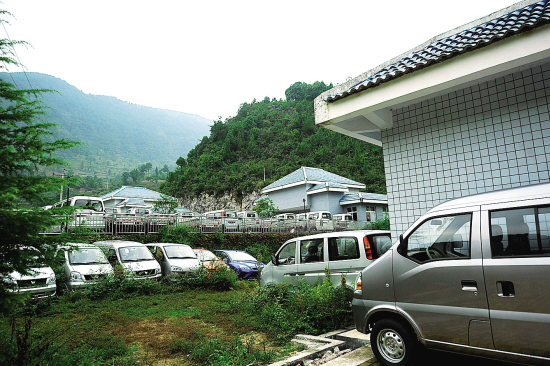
x: 311, y: 250
x: 439, y: 238
x: 340, y: 249
x: 520, y: 232
x: 287, y: 254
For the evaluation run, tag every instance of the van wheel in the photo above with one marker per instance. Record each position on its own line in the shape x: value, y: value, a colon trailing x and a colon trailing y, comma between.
x: 393, y: 343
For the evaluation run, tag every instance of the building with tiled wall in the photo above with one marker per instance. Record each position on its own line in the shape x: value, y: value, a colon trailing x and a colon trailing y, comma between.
x: 489, y: 136
x: 464, y: 113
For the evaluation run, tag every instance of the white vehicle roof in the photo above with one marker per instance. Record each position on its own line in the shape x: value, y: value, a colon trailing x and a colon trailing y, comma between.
x: 165, y: 244
x: 115, y: 244
x: 358, y: 233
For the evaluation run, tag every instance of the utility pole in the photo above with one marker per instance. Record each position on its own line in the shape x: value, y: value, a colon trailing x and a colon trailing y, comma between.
x: 63, y: 176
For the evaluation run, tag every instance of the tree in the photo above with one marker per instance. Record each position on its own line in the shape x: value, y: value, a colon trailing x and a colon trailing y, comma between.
x: 166, y: 205
x: 26, y: 144
x: 265, y: 208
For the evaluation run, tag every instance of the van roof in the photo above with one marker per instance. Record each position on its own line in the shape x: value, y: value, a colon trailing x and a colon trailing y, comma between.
x: 343, y: 233
x: 116, y: 243
x: 165, y: 244
x: 501, y: 196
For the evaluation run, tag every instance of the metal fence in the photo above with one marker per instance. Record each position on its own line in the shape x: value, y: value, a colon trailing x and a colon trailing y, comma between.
x: 151, y: 224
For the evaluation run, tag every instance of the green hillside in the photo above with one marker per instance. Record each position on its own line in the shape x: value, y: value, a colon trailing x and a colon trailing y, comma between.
x: 280, y: 136
x: 116, y: 136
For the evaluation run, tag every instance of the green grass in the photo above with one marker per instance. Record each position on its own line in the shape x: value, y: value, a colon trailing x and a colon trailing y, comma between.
x: 159, y: 324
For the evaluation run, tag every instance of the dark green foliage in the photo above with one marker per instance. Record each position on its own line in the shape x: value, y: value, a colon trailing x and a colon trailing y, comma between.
x: 285, y: 310
x: 279, y: 136
x: 265, y: 208
x: 215, y: 352
x: 381, y: 224
x: 120, y: 286
x: 26, y: 144
x: 222, y: 279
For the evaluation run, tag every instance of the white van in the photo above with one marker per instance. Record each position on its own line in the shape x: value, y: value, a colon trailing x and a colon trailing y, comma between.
x: 342, y: 221
x: 174, y: 258
x: 224, y: 220
x: 132, y: 256
x: 249, y: 221
x: 90, y: 212
x: 319, y: 221
x: 342, y: 253
x: 40, y: 282
x: 84, y: 264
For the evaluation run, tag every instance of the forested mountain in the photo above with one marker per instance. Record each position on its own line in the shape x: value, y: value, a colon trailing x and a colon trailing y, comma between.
x: 278, y: 136
x: 115, y: 135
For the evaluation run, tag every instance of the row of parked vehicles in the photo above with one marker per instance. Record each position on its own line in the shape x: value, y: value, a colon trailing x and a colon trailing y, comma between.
x: 83, y: 264
x: 91, y: 213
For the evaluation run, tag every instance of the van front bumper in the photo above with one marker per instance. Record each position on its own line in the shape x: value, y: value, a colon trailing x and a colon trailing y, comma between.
x: 39, y: 292
x: 360, y: 311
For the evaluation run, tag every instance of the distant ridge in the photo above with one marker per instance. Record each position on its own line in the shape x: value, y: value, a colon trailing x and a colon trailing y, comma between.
x: 115, y: 135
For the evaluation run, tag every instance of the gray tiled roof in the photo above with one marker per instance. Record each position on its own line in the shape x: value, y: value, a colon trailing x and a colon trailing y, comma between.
x: 329, y: 184
x: 311, y: 174
x: 365, y: 196
x: 133, y: 192
x: 523, y: 19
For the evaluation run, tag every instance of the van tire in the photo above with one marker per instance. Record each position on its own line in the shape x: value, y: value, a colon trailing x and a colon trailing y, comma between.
x: 393, y: 343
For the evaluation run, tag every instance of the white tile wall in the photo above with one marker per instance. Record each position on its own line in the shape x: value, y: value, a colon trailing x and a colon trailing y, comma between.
x: 490, y: 136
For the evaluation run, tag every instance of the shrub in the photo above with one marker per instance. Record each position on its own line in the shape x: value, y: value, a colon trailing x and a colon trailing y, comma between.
x: 214, y: 352
x: 120, y: 286
x: 286, y: 309
x: 222, y: 279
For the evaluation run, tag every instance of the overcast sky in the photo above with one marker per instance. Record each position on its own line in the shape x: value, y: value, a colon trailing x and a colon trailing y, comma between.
x: 208, y: 57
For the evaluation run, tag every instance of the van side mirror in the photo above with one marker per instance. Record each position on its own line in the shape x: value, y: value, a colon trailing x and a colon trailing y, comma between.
x: 402, y: 248
x: 274, y: 260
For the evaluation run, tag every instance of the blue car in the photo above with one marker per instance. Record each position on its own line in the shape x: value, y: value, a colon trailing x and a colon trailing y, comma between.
x: 241, y: 262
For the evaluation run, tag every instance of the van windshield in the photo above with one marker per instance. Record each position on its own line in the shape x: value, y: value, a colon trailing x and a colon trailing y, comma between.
x: 94, y: 205
x: 135, y: 254
x: 87, y: 256
x: 327, y: 215
x: 179, y: 251
x: 230, y: 214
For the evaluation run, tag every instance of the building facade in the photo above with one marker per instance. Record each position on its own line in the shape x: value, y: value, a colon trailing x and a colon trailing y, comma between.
x: 466, y: 112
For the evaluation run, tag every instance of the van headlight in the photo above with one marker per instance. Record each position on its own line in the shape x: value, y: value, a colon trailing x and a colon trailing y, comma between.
x: 157, y: 271
x: 176, y: 269
x: 359, y: 284
x: 75, y: 276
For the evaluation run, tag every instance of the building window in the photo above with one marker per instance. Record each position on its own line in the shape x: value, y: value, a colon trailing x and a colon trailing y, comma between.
x: 353, y: 212
x: 371, y: 213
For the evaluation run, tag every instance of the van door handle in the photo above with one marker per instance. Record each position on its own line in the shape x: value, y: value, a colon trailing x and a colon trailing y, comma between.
x: 468, y: 285
x: 505, y: 289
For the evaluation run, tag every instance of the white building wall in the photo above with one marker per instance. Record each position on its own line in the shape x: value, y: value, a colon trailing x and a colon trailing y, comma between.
x: 486, y: 137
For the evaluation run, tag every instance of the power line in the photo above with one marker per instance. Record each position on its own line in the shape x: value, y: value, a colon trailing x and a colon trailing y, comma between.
x: 16, y: 55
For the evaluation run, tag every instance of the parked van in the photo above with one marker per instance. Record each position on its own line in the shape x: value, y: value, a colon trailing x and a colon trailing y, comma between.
x: 90, y: 212
x: 83, y: 265
x: 342, y: 253
x: 40, y: 282
x: 249, y: 221
x: 174, y: 258
x: 342, y: 221
x: 224, y: 220
x: 319, y: 221
x: 470, y: 276
x: 132, y: 256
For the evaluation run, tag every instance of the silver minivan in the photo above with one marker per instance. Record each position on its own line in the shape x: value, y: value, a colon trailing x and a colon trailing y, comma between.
x: 174, y: 258
x: 342, y: 253
x: 134, y: 257
x: 83, y: 265
x: 472, y: 275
